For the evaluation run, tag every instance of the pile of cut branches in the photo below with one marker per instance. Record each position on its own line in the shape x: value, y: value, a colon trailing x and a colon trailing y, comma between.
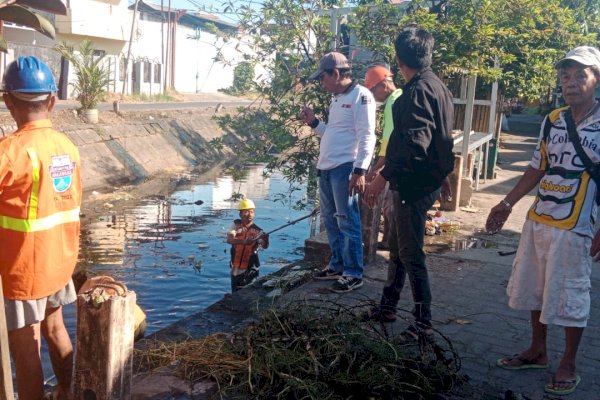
x: 312, y: 350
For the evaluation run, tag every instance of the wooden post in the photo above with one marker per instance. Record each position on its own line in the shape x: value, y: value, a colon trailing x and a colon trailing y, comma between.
x: 6, y: 386
x: 104, y: 347
x: 471, y: 84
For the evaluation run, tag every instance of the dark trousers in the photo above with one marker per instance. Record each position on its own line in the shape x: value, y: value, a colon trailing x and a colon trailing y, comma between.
x: 243, y: 279
x: 407, y: 256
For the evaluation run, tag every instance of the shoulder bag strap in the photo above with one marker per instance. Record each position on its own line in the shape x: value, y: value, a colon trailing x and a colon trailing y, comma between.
x: 590, y: 167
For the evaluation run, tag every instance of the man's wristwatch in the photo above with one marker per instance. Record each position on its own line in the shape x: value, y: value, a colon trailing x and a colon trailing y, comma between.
x: 506, y: 204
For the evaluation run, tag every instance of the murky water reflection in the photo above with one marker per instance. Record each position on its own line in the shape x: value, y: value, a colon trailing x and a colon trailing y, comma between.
x: 171, y: 250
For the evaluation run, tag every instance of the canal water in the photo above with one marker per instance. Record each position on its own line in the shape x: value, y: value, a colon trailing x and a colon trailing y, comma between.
x: 171, y: 249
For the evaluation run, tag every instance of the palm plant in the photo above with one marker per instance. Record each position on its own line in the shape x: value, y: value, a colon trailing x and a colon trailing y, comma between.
x: 91, y: 74
x: 19, y: 12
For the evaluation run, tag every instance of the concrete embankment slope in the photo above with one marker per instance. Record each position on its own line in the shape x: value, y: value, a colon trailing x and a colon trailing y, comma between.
x: 131, y: 147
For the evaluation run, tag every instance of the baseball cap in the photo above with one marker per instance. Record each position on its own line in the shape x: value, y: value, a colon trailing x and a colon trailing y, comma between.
x: 330, y: 61
x: 584, y: 55
x: 376, y: 75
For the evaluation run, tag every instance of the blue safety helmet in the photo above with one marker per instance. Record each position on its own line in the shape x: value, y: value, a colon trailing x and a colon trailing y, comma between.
x: 28, y: 75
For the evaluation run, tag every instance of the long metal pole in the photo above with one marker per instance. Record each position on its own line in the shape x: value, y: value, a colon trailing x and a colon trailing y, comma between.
x: 315, y: 211
x: 135, y: 9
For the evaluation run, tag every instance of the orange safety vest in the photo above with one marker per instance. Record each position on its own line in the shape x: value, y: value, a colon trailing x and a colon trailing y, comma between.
x: 242, y: 253
x: 40, y: 197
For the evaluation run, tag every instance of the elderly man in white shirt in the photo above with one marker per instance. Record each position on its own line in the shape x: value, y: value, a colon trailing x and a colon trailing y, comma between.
x: 347, y: 145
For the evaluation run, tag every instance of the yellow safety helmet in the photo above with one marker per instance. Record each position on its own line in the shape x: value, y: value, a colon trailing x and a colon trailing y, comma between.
x: 246, y: 204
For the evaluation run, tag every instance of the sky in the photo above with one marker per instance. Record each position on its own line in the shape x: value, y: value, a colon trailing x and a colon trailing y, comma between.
x: 213, y: 6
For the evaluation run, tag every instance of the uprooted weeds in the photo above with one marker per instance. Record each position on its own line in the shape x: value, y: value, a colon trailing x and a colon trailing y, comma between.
x: 308, y: 350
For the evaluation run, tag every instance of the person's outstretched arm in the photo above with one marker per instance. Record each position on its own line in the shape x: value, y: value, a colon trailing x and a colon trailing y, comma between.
x: 500, y: 212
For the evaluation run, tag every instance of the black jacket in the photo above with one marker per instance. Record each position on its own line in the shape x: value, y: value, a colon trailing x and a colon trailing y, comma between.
x: 419, y: 153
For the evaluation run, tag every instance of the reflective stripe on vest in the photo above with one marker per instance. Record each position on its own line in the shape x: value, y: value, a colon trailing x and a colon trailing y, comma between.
x: 35, y: 184
x: 32, y: 223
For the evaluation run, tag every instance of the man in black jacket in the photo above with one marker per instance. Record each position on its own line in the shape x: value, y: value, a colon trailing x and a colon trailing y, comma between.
x: 417, y: 162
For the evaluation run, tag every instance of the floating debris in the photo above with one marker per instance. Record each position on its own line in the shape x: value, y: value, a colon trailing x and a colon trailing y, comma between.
x: 437, y: 224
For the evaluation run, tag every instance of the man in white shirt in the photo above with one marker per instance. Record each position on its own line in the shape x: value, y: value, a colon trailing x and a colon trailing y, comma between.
x: 347, y: 144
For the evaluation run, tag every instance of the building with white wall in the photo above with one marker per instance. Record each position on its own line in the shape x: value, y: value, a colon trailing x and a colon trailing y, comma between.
x: 200, y: 60
x: 175, y: 49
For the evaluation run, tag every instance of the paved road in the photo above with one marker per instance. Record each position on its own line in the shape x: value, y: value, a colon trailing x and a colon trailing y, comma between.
x: 192, y: 101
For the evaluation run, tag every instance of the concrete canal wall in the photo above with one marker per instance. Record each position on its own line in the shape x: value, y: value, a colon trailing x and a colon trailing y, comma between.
x: 130, y: 148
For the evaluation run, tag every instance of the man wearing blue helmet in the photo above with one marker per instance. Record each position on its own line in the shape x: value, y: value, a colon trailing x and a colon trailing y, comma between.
x: 40, y: 198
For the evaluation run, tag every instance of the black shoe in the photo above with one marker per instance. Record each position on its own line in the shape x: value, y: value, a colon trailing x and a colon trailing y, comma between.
x: 346, y: 284
x: 327, y: 274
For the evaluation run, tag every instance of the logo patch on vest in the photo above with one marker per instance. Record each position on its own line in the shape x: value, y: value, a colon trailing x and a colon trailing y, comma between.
x: 61, y: 172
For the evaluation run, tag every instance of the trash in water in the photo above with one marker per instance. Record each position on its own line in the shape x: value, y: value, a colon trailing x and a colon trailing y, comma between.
x: 437, y: 224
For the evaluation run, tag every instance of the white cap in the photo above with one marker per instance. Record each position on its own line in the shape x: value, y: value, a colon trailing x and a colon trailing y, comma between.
x: 584, y: 55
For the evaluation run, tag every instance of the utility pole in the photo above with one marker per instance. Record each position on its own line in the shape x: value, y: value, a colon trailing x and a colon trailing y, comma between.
x: 135, y: 9
x: 169, y: 44
x: 162, y: 39
x: 178, y: 15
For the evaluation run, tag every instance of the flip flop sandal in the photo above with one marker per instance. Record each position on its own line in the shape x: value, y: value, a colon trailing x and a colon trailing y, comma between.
x: 376, y: 314
x: 525, y: 363
x: 550, y: 386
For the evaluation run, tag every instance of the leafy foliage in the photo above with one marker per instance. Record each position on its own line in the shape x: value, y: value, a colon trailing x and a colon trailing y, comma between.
x: 289, y: 38
x: 514, y: 42
x: 91, y: 74
x: 14, y: 11
x: 243, y: 79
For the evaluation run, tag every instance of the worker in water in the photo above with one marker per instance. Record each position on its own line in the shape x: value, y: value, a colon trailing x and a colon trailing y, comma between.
x: 40, y: 198
x: 245, y: 238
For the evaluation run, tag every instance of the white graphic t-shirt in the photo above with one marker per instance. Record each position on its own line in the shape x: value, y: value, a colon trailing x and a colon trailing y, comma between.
x: 566, y: 194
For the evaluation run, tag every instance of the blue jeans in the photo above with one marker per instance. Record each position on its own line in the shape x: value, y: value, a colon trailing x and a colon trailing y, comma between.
x: 342, y: 221
x: 407, y: 257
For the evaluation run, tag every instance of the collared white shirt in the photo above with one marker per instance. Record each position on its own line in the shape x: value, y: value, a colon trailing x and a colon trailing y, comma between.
x: 349, y: 135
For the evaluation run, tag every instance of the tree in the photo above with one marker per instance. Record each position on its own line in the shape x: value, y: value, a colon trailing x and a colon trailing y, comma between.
x: 91, y: 74
x: 514, y: 42
x: 289, y: 37
x: 18, y: 11
x: 243, y: 79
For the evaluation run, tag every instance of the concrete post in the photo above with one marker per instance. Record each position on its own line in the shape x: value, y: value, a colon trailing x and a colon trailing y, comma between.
x: 6, y: 386
x: 455, y: 178
x: 104, y: 347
